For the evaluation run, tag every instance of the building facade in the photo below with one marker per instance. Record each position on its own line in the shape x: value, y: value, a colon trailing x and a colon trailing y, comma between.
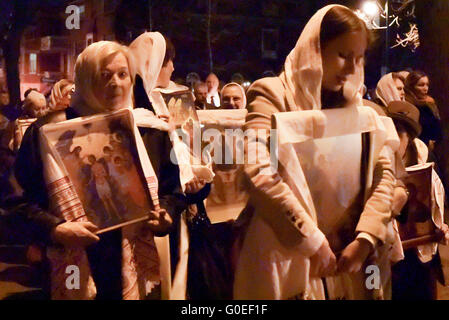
x: 49, y: 47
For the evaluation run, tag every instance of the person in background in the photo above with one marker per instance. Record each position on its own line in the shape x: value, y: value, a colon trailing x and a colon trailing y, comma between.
x: 417, y: 93
x: 212, y: 83
x: 390, y: 88
x: 287, y: 250
x: 233, y: 96
x: 119, y: 264
x: 415, y: 277
x: 200, y: 92
x: 34, y: 105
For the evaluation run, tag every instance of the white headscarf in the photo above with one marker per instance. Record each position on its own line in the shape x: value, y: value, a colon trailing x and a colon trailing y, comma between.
x: 87, y: 67
x: 303, y: 70
x: 241, y: 89
x: 386, y: 90
x: 148, y: 50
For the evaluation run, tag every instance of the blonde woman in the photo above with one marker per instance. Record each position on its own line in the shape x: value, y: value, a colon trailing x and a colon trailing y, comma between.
x: 119, y: 264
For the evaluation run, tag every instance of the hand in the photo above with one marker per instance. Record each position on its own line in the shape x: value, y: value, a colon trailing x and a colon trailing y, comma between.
x: 164, y: 117
x: 323, y: 262
x: 444, y: 234
x: 159, y: 221
x: 353, y: 256
x: 195, y: 185
x: 168, y: 119
x: 75, y: 234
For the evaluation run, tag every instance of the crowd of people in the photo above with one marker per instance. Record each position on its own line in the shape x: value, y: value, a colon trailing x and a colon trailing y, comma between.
x: 340, y: 200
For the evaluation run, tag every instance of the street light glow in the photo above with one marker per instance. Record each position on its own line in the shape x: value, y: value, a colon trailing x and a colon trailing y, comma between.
x: 370, y: 8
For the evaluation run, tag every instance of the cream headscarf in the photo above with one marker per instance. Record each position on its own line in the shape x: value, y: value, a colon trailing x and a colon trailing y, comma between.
x: 87, y: 68
x: 148, y: 50
x: 241, y: 89
x: 303, y: 70
x: 35, y: 104
x: 386, y: 90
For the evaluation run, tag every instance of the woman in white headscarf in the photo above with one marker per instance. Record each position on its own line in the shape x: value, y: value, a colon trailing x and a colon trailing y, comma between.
x: 118, y: 264
x: 390, y: 88
x: 288, y: 247
x: 154, y: 56
x: 233, y: 96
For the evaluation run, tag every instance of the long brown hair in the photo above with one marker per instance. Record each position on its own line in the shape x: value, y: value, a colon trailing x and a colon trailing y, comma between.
x: 340, y: 20
x: 412, y: 79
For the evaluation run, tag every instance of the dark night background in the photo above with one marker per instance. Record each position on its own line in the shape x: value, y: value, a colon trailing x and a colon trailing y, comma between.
x: 236, y: 28
x: 250, y: 37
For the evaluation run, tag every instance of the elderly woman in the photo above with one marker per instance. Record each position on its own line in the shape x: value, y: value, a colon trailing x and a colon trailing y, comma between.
x: 300, y: 226
x: 119, y: 264
x: 233, y: 96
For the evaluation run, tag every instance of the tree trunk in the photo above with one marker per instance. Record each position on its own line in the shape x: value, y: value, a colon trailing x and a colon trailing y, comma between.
x: 11, y: 51
x: 433, y: 25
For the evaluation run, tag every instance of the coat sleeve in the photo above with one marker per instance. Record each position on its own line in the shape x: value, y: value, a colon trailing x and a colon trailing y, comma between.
x: 33, y: 206
x: 377, y: 210
x: 274, y: 198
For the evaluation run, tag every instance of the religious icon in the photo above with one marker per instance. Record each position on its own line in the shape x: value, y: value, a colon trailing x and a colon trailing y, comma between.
x: 229, y: 194
x: 181, y: 106
x: 416, y: 217
x: 100, y: 158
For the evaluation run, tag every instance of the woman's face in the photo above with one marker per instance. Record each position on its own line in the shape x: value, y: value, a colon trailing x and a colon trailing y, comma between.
x: 232, y: 98
x: 340, y: 58
x: 422, y: 87
x: 163, y: 79
x: 113, y: 85
x: 400, y: 87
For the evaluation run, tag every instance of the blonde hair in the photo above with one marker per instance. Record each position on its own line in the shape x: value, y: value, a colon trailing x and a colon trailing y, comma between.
x: 87, y: 68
